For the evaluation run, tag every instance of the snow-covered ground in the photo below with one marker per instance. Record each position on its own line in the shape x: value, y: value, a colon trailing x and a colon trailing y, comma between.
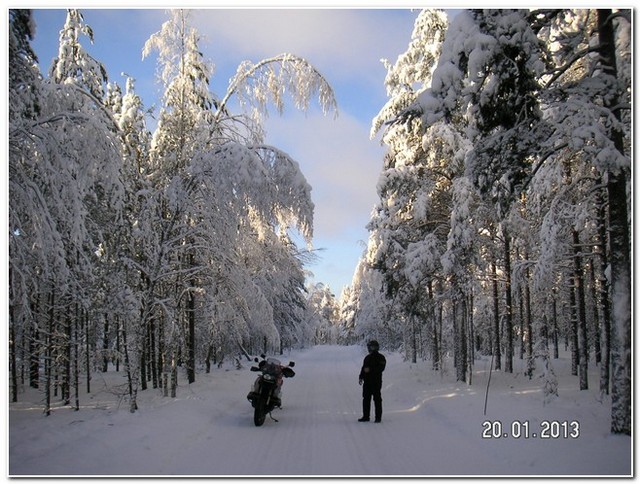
x: 432, y: 426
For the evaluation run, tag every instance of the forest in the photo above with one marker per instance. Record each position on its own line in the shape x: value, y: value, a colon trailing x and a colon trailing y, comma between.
x: 502, y: 229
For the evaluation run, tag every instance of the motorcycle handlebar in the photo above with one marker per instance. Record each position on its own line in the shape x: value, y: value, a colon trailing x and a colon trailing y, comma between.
x: 286, y: 371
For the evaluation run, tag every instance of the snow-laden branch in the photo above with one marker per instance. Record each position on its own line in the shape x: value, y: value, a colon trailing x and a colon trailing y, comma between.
x: 270, y: 79
x: 559, y: 71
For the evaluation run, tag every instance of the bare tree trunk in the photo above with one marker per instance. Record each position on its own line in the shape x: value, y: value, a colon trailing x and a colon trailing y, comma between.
x: 603, y: 298
x: 66, y: 376
x: 174, y: 375
x: 554, y: 307
x: 438, y: 338
x: 207, y: 360
x: 191, y: 333
x: 621, y: 340
x: 433, y: 333
x: 496, y: 317
x: 159, y: 351
x: 105, y: 344
x: 118, y: 331
x: 133, y: 386
x: 583, y: 343
x: 596, y: 312
x: 34, y: 348
x: 573, y: 330
x: 460, y: 338
x: 531, y: 364
x: 522, y: 337
x: 87, y: 355
x: 76, y: 363
x: 48, y: 360
x: 143, y: 345
x: 470, y: 337
x: 508, y: 303
x: 153, y: 360
x: 414, y: 338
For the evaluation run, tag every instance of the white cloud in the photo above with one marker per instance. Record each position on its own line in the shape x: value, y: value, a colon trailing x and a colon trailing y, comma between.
x: 348, y: 42
x: 340, y: 163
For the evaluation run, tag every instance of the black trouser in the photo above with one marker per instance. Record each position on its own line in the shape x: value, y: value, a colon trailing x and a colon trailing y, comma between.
x: 371, y: 390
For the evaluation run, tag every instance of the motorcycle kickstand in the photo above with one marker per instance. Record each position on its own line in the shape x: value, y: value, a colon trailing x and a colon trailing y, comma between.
x: 272, y: 417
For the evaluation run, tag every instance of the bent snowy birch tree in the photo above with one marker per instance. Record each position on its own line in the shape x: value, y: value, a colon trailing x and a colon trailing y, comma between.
x: 214, y: 174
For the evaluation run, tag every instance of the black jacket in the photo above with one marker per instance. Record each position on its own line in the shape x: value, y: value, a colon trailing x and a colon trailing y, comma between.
x: 372, y: 368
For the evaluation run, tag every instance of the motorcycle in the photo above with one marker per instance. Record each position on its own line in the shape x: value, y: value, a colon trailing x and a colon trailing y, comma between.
x: 265, y: 395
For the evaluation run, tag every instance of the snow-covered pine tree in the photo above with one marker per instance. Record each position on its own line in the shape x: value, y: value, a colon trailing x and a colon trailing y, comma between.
x: 575, y: 119
x: 546, y: 127
x: 404, y: 244
x: 503, y: 63
x: 585, y: 96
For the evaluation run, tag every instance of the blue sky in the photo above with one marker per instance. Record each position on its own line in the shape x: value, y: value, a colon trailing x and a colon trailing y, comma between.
x: 336, y: 155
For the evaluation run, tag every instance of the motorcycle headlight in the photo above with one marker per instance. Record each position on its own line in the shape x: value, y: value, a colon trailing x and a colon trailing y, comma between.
x: 269, y: 377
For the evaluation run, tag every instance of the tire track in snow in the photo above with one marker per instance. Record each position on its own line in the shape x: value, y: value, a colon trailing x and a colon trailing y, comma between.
x: 330, y: 402
x: 323, y: 394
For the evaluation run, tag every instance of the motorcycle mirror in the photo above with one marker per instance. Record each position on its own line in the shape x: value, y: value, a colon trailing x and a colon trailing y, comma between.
x: 292, y: 364
x: 255, y: 359
x: 263, y: 356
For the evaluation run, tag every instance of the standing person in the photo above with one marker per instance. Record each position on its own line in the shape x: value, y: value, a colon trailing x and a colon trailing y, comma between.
x: 371, y: 381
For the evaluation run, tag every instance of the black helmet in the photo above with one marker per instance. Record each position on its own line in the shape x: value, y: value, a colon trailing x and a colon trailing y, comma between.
x: 373, y: 345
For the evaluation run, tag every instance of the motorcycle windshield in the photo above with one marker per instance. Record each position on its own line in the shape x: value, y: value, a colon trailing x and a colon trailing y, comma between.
x: 272, y: 367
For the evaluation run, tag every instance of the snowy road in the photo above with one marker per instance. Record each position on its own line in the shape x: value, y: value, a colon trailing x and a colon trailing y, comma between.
x: 431, y: 426
x: 318, y: 432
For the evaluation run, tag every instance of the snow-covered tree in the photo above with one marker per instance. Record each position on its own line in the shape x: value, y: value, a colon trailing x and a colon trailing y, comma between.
x: 410, y: 197
x: 586, y: 93
x: 24, y: 76
x: 151, y: 249
x: 66, y: 194
x: 212, y: 250
x: 74, y: 65
x: 324, y: 312
x: 526, y: 113
x: 24, y: 106
x: 363, y: 314
x: 616, y: 163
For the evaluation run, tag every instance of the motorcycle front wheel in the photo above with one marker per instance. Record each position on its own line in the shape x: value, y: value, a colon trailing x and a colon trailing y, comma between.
x: 260, y: 412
